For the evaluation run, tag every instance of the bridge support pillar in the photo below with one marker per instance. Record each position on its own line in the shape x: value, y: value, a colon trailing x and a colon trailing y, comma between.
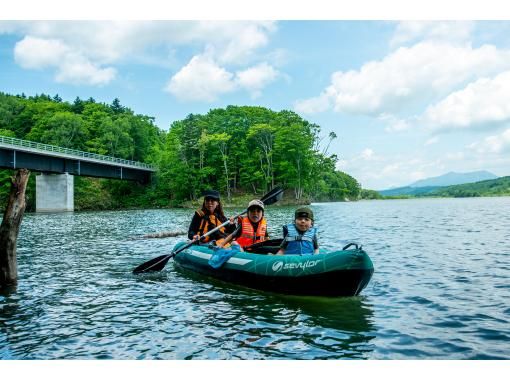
x: 54, y: 192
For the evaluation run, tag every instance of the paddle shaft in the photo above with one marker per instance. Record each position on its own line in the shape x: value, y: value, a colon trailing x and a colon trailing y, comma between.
x: 159, y: 263
x: 222, y: 225
x: 270, y: 198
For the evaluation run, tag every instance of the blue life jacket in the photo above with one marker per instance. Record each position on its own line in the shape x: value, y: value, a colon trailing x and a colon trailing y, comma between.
x: 299, y: 244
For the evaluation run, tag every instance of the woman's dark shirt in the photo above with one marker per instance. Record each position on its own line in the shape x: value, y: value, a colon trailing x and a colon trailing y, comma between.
x: 195, y: 226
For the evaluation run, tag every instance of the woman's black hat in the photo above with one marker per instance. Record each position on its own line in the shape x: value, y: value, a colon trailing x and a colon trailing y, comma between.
x: 211, y: 194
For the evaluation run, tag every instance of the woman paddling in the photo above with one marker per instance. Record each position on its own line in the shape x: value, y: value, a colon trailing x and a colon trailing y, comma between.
x: 208, y: 217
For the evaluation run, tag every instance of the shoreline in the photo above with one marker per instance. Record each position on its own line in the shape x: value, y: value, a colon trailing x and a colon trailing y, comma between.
x: 284, y: 203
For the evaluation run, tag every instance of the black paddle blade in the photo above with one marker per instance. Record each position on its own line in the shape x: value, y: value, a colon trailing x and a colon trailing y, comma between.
x: 273, y: 196
x: 154, y: 265
x: 158, y: 263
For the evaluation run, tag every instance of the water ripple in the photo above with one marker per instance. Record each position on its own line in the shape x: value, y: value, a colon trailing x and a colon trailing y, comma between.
x: 440, y: 289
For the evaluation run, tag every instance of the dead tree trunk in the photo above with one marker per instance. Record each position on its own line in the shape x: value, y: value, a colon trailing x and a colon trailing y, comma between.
x: 10, y: 228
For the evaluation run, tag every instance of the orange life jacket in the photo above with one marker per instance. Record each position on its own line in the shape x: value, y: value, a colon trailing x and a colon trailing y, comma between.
x: 207, y: 223
x: 248, y: 235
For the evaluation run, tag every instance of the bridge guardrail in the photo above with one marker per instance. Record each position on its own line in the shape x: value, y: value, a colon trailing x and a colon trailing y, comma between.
x: 72, y: 152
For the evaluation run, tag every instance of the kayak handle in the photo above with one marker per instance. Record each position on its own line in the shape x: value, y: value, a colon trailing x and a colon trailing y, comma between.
x: 350, y: 245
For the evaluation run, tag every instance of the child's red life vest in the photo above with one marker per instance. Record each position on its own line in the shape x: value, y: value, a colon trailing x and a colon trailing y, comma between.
x: 248, y: 235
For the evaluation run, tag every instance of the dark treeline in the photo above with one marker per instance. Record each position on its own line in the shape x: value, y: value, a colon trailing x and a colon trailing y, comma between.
x: 238, y: 150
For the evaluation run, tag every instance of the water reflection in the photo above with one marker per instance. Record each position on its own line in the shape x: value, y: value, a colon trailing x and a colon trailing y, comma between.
x: 280, y: 326
x: 9, y: 308
x: 353, y: 314
x: 7, y: 290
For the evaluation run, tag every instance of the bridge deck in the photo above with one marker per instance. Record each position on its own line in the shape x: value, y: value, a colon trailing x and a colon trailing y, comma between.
x: 16, y: 153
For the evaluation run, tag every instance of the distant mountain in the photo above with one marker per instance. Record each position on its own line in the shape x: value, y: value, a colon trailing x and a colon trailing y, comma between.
x: 433, y: 184
x: 490, y: 188
x: 453, y: 178
x: 408, y: 190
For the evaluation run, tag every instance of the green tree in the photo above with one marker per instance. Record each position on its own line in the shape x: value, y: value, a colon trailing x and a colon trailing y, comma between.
x: 7, y: 133
x: 10, y: 109
x: 145, y: 135
x: 115, y: 138
x: 263, y: 136
x: 221, y: 140
x: 36, y: 110
x: 116, y: 107
x: 63, y: 129
x: 294, y: 156
x: 78, y: 105
x: 236, y: 149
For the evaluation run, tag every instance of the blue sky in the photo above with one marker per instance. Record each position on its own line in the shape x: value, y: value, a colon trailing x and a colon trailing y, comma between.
x: 407, y: 100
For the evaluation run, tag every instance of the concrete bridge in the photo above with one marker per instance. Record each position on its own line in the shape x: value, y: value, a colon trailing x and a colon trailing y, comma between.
x: 57, y: 165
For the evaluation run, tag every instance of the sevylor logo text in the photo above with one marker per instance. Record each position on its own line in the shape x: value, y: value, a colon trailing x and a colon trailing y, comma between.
x: 279, y: 265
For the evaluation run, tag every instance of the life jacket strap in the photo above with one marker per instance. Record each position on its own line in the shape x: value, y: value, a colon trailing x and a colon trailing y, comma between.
x: 298, y: 238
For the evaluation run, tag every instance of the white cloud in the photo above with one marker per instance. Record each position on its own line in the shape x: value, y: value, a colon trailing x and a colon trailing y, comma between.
x: 71, y: 67
x: 76, y: 70
x: 417, y: 175
x: 453, y: 31
x: 36, y: 53
x: 394, y: 124
x: 342, y: 164
x: 406, y: 76
x: 496, y: 144
x: 481, y: 103
x: 432, y: 140
x: 391, y: 169
x: 100, y: 43
x: 375, y: 171
x: 110, y: 41
x: 202, y: 80
x: 401, y: 170
x: 455, y: 156
x: 241, y: 43
x: 254, y: 79
x: 367, y: 154
x: 317, y: 104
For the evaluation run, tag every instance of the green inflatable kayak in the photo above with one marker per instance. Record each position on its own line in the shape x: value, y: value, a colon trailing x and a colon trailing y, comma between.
x: 338, y: 273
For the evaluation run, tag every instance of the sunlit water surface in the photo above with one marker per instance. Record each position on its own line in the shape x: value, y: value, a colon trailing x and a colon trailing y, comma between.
x: 441, y: 289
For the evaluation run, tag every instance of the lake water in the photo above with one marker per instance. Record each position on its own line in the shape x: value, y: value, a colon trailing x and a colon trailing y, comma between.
x: 441, y: 289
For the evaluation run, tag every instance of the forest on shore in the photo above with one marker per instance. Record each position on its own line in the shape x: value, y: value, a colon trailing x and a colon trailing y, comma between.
x: 242, y: 151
